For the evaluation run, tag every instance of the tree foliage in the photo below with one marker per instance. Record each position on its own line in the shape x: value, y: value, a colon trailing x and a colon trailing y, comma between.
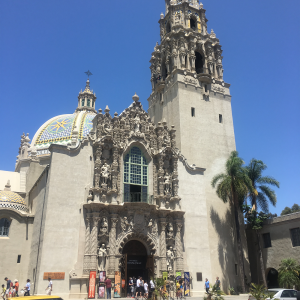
x: 262, y: 194
x: 254, y: 219
x: 290, y: 210
x: 259, y: 291
x: 289, y: 272
x: 214, y: 294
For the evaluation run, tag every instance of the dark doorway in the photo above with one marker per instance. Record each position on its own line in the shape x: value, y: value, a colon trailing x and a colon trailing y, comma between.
x: 138, y: 262
x: 199, y: 63
x: 272, y: 278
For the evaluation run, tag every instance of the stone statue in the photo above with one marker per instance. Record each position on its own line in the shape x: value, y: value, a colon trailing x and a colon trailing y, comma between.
x: 105, y: 173
x: 126, y: 224
x: 170, y: 232
x: 137, y: 122
x: 104, y: 226
x: 102, y: 254
x: 170, y: 258
x: 167, y: 183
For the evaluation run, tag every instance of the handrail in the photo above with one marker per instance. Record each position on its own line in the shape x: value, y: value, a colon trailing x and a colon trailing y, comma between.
x: 137, y: 197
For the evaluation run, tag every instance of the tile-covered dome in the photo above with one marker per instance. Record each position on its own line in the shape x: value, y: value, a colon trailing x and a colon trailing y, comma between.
x: 10, y: 199
x: 61, y: 129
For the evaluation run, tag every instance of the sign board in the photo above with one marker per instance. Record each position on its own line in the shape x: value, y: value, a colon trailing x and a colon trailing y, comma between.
x: 165, y: 275
x: 186, y: 283
x: 101, y: 292
x: 92, y: 284
x: 117, y: 288
x: 178, y: 276
x: 54, y: 275
x: 102, y: 275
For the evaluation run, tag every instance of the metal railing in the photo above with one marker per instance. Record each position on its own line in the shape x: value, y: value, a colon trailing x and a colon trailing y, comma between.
x: 138, y: 197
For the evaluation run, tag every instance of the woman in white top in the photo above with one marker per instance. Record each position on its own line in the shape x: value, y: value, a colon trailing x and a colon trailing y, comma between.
x: 146, y: 289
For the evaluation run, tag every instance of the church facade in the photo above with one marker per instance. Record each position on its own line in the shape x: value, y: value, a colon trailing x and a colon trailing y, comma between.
x: 130, y: 193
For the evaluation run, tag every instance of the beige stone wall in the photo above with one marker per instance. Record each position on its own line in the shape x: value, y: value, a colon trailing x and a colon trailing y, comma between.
x: 279, y: 229
x: 70, y: 177
x: 17, y: 243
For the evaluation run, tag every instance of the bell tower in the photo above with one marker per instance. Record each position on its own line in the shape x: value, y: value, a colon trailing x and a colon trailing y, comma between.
x: 188, y: 89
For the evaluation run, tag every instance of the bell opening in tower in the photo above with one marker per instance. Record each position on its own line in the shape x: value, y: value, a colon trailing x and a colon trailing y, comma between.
x: 198, y: 63
x: 168, y: 27
x: 193, y: 23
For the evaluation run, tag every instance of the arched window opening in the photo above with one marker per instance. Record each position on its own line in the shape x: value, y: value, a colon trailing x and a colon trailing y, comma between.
x: 193, y: 23
x: 93, y: 103
x: 135, y: 176
x: 185, y: 61
x: 164, y: 70
x: 82, y: 102
x: 4, y: 227
x: 168, y: 27
x: 88, y: 102
x: 199, y: 63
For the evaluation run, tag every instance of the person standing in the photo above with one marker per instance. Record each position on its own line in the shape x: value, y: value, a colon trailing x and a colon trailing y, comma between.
x: 134, y: 287
x: 138, y: 283
x: 49, y: 287
x: 206, y: 285
x: 8, y: 285
x: 17, y: 287
x: 146, y: 289
x: 218, y: 284
x: 3, y: 293
x: 152, y: 288
x: 141, y: 286
x: 27, y: 288
x: 108, y: 287
x: 130, y: 288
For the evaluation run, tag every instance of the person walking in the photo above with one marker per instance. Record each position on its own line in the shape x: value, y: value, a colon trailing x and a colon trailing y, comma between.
x: 206, y: 285
x: 27, y: 288
x: 218, y: 284
x: 134, y: 287
x: 49, y: 287
x: 130, y: 288
x: 141, y: 286
x: 152, y: 289
x: 108, y: 287
x: 17, y: 287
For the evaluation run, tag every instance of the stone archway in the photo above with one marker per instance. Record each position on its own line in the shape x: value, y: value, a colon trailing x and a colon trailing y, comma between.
x: 272, y: 278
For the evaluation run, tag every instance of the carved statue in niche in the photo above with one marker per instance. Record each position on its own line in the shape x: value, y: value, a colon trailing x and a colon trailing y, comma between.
x: 170, y: 231
x: 104, y: 226
x: 152, y: 226
x: 105, y: 173
x: 137, y: 124
x: 126, y: 223
x: 170, y: 258
x: 102, y: 254
x: 167, y: 183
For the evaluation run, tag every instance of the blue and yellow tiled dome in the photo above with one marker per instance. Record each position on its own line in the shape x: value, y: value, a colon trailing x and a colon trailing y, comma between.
x: 11, y: 197
x: 59, y: 130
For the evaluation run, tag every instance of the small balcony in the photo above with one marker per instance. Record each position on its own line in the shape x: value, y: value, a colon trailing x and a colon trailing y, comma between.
x: 203, y: 75
x: 138, y: 198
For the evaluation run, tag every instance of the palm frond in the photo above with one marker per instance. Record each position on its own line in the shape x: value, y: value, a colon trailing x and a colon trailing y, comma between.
x: 216, y: 179
x: 263, y: 203
x: 269, y: 193
x: 268, y: 180
x: 224, y: 189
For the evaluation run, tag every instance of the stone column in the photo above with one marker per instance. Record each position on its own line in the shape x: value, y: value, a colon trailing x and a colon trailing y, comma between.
x: 94, y: 242
x: 112, y: 244
x: 86, y: 259
x: 163, y: 248
x: 178, y: 246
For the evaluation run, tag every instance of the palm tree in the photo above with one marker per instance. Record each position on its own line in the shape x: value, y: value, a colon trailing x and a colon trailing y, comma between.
x: 289, y: 272
x: 261, y: 196
x: 233, y: 186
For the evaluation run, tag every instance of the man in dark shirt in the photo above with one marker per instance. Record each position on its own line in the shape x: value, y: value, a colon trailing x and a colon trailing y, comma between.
x: 8, y: 284
x: 218, y: 284
x: 108, y: 287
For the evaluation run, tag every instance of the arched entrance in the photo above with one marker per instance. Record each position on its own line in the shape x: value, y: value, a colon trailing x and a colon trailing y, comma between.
x: 272, y: 278
x: 137, y: 261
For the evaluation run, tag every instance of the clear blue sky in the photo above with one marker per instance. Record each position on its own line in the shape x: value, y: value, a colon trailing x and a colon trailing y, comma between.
x: 46, y: 46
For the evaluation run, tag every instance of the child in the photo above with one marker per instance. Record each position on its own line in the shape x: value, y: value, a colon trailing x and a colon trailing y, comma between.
x: 3, y: 292
x: 146, y: 290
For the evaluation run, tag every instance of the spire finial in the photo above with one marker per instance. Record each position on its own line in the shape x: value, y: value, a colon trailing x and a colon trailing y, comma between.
x: 135, y: 97
x: 7, y: 186
x: 88, y: 73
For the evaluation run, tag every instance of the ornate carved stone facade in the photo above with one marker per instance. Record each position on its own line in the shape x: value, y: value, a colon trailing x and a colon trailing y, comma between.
x: 111, y: 219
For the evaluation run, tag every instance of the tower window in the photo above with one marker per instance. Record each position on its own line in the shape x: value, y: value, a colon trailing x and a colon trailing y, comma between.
x: 82, y: 102
x: 193, y: 111
x: 236, y: 269
x: 135, y: 176
x: 220, y: 119
x: 4, y: 227
x: 193, y: 23
x: 93, y: 103
x: 205, y: 88
x: 19, y: 259
x: 199, y: 276
x: 199, y: 63
x: 88, y: 102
